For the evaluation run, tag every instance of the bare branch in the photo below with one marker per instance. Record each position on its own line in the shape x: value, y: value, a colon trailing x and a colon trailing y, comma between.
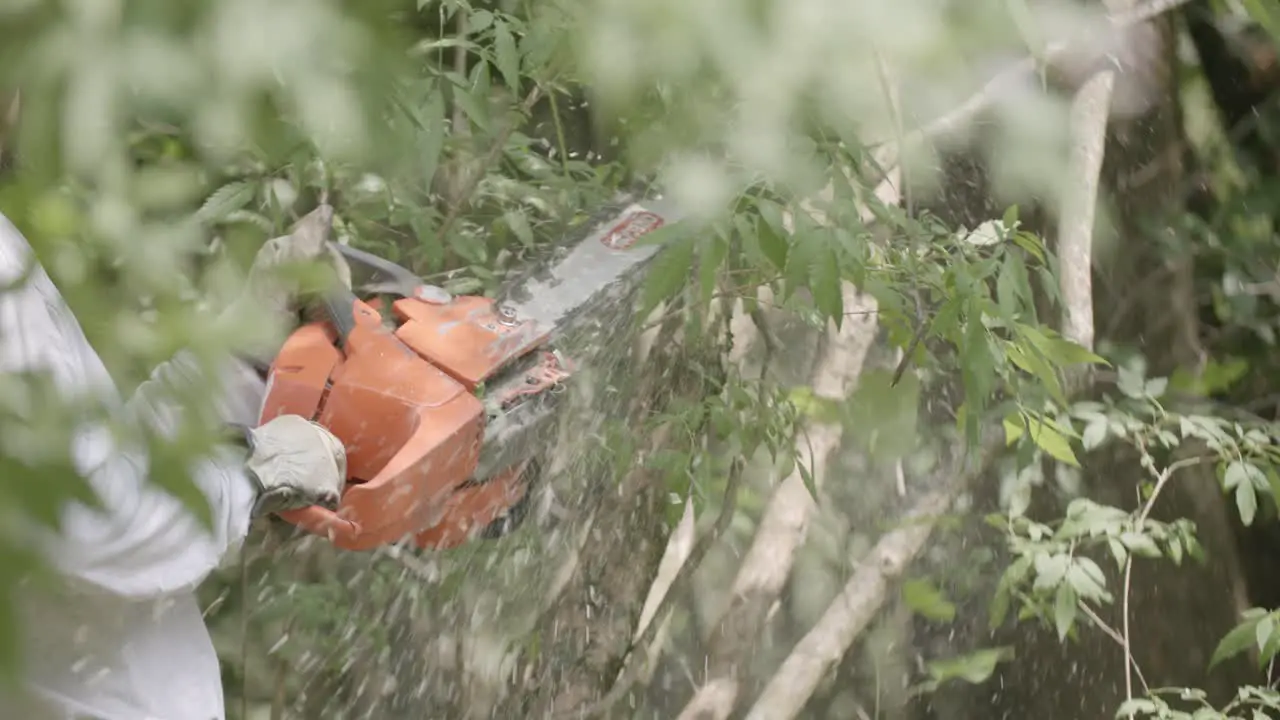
x: 790, y: 688
x: 1089, y: 112
x: 962, y: 115
x: 769, y: 560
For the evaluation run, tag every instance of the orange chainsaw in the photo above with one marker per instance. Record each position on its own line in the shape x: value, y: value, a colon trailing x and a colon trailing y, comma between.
x: 438, y: 398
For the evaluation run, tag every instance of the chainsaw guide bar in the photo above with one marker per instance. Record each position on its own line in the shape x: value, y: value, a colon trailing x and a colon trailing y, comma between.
x: 442, y: 402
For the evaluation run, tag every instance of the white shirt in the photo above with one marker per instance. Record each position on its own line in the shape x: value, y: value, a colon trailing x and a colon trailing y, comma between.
x: 125, y: 639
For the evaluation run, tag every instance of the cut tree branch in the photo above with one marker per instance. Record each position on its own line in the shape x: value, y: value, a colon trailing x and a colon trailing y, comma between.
x: 844, y: 620
x: 782, y: 529
x: 1089, y: 112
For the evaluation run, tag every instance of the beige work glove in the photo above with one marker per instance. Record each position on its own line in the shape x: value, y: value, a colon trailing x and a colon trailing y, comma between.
x: 271, y: 295
x: 296, y: 463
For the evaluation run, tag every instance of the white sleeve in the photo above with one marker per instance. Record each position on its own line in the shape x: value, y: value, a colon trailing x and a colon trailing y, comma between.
x: 146, y: 543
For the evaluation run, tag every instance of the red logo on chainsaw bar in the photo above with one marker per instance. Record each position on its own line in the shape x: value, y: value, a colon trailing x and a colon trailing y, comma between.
x: 626, y: 233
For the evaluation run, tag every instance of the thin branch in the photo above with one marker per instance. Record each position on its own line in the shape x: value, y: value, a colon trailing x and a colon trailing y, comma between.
x: 892, y: 152
x: 1129, y: 663
x: 848, y: 615
x: 782, y: 528
x: 1119, y: 638
x: 638, y: 654
x: 495, y: 150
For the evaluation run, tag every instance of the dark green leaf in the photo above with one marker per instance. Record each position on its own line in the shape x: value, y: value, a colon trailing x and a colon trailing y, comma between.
x: 800, y: 259
x: 519, y: 225
x: 1246, y: 502
x: 1094, y: 434
x: 806, y: 476
x: 668, y: 272
x: 506, y: 55
x: 711, y: 256
x: 479, y: 21
x: 1050, y: 570
x: 1263, y: 631
x: 973, y: 668
x: 226, y: 199
x: 923, y: 598
x: 772, y: 241
x: 1052, y: 442
x: 824, y: 283
x: 1032, y: 245
x: 1064, y: 610
x: 1240, y: 639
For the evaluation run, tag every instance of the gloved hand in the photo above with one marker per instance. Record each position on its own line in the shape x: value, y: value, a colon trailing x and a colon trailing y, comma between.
x: 296, y: 463
x: 270, y: 295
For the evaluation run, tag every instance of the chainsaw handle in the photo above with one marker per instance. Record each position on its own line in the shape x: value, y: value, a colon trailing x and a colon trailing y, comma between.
x: 340, y: 306
x: 393, y: 276
x: 323, y: 522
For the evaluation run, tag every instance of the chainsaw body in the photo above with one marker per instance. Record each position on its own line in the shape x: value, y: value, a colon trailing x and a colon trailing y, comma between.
x: 435, y: 397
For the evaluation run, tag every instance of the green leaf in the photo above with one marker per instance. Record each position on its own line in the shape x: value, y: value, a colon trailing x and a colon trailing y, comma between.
x: 479, y: 20
x: 1094, y: 434
x: 1033, y: 364
x: 1086, y: 578
x: 1118, y: 551
x: 225, y: 200
x: 975, y: 668
x: 800, y: 259
x: 1140, y: 544
x: 519, y: 225
x: 824, y: 283
x: 506, y: 55
x: 1064, y: 610
x: 1240, y: 473
x: 1050, y: 570
x: 1014, y: 426
x: 1010, y: 217
x: 1263, y: 630
x: 1130, y: 382
x: 806, y: 476
x: 712, y: 253
x: 1246, y: 502
x: 667, y: 273
x: 1054, y: 443
x: 926, y: 600
x: 1008, y: 293
x: 1066, y: 352
x: 769, y: 235
x: 472, y: 107
x: 1011, y: 578
x: 1031, y: 245
x: 1240, y: 639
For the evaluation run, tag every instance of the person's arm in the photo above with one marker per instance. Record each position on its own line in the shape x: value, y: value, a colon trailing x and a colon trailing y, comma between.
x: 145, y: 543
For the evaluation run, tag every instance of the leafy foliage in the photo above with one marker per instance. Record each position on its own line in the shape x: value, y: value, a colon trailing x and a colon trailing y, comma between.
x: 453, y: 137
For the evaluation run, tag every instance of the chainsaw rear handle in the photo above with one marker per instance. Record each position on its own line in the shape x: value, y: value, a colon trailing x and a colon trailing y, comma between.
x: 340, y: 306
x: 388, y: 276
x: 324, y: 522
